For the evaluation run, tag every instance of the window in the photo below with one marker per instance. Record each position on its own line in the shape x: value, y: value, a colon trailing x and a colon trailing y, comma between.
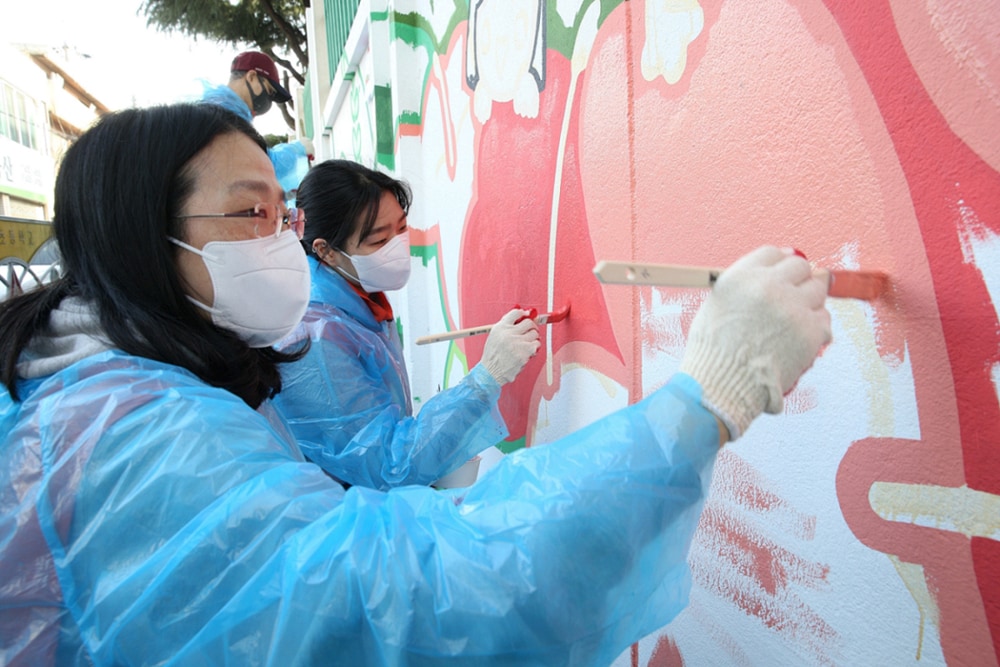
x: 6, y: 102
x: 22, y: 118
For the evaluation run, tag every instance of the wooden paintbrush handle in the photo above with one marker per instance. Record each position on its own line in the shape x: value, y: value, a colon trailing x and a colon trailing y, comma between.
x: 664, y: 275
x: 452, y: 335
x: 866, y: 285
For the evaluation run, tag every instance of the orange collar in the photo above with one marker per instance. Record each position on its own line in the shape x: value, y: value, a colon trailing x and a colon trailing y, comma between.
x: 377, y: 303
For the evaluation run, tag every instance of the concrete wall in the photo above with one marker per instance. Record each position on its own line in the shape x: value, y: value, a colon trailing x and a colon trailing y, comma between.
x: 861, y: 527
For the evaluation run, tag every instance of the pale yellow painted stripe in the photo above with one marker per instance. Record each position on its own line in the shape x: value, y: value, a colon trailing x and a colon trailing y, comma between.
x: 958, y: 509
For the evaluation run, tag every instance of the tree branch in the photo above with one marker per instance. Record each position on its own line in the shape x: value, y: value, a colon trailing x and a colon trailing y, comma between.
x: 292, y: 34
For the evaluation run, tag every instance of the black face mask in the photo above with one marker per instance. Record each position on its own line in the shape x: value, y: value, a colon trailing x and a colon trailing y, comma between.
x: 261, y: 103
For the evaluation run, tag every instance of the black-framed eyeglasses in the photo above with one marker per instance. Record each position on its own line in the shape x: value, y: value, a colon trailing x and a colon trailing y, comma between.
x: 295, y: 218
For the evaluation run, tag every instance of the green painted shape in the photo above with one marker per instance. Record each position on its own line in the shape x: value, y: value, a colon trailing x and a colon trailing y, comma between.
x: 561, y: 37
x: 418, y: 23
x: 385, y: 136
x: 510, y: 446
x: 425, y: 253
x: 307, y: 112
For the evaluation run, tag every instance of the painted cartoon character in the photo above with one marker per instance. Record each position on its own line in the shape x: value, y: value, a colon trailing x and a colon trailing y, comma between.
x: 505, y: 58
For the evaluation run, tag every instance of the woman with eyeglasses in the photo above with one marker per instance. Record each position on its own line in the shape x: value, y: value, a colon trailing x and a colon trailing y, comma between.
x: 155, y: 510
x: 348, y: 399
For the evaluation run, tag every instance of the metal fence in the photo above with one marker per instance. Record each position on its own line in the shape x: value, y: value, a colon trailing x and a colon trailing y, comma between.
x: 339, y: 19
x: 29, y: 255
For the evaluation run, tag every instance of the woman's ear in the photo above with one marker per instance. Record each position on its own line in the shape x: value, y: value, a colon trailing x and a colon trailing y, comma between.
x: 325, y: 253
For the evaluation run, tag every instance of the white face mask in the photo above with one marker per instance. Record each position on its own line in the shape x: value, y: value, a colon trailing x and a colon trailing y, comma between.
x: 261, y: 286
x: 386, y: 269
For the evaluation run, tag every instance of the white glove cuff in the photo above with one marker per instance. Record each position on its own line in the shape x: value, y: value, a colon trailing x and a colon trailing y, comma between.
x: 492, y: 366
x: 730, y: 388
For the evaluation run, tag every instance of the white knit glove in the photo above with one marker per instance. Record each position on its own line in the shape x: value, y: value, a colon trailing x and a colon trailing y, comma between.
x: 757, y: 332
x: 510, y: 345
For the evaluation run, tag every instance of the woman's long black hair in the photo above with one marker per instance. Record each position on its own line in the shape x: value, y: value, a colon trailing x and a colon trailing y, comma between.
x: 118, y: 192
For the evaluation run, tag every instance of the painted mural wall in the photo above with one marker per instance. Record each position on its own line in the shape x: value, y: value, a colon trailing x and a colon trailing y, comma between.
x: 862, y: 526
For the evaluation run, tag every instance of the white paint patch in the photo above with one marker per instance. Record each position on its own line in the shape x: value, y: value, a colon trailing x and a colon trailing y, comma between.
x: 507, y: 44
x: 438, y: 166
x: 408, y: 91
x: 903, y: 394
x: 662, y: 332
x: 568, y: 10
x: 584, y: 396
x: 671, y: 26
x: 981, y: 247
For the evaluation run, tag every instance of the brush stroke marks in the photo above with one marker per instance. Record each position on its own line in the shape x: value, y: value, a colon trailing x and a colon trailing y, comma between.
x: 747, y: 542
x: 665, y: 654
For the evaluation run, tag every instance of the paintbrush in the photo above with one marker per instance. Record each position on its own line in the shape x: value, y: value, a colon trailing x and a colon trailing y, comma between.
x: 866, y: 285
x: 544, y: 318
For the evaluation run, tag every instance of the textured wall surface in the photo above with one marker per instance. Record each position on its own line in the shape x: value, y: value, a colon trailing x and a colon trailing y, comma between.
x: 861, y: 527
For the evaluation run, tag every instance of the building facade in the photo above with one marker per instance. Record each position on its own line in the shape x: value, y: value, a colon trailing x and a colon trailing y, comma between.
x: 42, y: 110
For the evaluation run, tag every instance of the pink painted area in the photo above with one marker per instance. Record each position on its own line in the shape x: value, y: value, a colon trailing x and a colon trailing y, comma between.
x: 507, y: 232
x: 955, y: 53
x: 738, y: 481
x: 666, y: 654
x: 772, y: 568
x: 863, y: 132
x: 817, y: 133
x: 944, y: 173
x: 763, y: 579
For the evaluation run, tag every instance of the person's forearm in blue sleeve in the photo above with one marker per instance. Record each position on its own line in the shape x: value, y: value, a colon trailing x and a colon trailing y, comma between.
x: 562, y: 554
x: 580, y: 545
x: 358, y: 432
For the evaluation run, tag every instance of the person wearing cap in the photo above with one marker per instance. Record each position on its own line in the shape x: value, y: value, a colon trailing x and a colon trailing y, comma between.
x: 252, y: 90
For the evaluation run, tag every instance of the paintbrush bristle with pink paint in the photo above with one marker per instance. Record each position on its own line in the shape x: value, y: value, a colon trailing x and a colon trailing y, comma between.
x: 866, y: 285
x: 557, y: 315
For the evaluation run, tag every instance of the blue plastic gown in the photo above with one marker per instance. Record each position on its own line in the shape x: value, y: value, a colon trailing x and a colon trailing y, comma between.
x: 149, y: 519
x: 348, y: 400
x: 291, y: 163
